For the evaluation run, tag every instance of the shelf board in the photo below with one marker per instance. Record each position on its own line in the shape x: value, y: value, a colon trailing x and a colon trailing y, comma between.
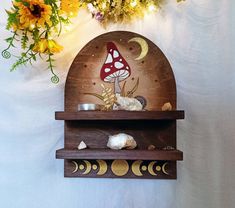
x: 108, y: 154
x: 120, y: 115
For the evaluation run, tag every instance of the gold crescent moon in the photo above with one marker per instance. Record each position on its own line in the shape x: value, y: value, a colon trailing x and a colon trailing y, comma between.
x: 136, y: 167
x: 88, y: 167
x: 102, y: 167
x: 163, y: 168
x: 150, y: 168
x: 76, y: 166
x: 144, y: 46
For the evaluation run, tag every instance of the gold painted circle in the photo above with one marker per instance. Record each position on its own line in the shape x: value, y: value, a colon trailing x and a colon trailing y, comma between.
x: 144, y: 168
x: 94, y: 167
x: 120, y: 167
x: 81, y: 167
x: 158, y: 168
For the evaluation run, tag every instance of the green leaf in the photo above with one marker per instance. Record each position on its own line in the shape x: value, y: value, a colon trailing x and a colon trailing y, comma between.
x: 12, y: 19
x: 8, y: 40
x: 24, y: 40
x: 23, y: 54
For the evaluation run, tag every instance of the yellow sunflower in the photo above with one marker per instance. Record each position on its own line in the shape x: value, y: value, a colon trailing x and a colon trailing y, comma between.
x: 69, y: 7
x: 47, y: 46
x: 34, y: 12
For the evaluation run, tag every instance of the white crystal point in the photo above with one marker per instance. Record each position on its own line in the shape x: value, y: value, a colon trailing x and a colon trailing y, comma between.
x: 82, y: 145
x: 126, y: 103
x: 120, y: 141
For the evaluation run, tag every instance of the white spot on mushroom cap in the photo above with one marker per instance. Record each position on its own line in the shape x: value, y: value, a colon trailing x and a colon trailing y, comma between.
x: 118, y: 65
x: 115, y: 54
x: 107, y: 70
x: 109, y: 59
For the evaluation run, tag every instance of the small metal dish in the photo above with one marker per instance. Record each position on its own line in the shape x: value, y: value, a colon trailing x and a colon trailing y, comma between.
x: 88, y: 106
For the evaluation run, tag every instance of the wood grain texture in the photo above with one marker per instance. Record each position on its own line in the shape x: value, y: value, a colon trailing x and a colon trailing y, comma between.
x: 120, y: 115
x: 157, y: 83
x: 170, y: 168
x: 96, y: 133
x: 108, y: 154
x: 150, y: 127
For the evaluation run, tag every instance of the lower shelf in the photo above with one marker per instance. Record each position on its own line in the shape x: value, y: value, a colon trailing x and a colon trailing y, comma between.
x: 107, y: 163
x: 108, y: 154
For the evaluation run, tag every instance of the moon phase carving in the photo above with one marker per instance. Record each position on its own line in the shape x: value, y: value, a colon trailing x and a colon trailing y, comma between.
x: 136, y: 167
x: 150, y: 168
x: 102, y: 167
x: 121, y: 168
x: 85, y: 167
x: 143, y: 45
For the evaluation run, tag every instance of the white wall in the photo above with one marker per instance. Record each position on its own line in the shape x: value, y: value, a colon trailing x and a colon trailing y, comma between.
x: 198, y: 37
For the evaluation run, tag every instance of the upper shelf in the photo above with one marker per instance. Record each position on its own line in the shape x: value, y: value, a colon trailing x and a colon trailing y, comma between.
x: 120, y: 115
x: 108, y: 154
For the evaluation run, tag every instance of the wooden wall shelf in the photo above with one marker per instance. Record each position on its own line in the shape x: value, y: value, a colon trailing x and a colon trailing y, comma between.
x: 120, y: 115
x: 107, y: 154
x: 125, y: 65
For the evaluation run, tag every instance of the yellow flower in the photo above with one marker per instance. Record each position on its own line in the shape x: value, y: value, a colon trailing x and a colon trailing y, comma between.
x: 41, y: 46
x: 34, y: 12
x: 54, y: 47
x: 69, y: 7
x: 47, y: 46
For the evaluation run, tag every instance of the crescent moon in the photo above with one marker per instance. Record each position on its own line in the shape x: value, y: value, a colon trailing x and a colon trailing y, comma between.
x: 76, y: 166
x: 163, y: 168
x: 136, y: 167
x: 102, y: 167
x: 88, y: 167
x: 150, y: 168
x: 143, y: 44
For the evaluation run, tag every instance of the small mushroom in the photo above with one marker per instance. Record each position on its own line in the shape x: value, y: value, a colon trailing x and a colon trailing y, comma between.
x: 115, y: 68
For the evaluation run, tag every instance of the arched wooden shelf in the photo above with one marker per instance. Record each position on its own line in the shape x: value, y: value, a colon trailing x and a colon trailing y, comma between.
x: 147, y: 74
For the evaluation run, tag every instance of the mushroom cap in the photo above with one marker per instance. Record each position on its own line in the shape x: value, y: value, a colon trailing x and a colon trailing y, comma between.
x: 115, y: 65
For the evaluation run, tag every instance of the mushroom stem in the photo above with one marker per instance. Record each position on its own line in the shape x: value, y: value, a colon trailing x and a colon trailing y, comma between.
x: 117, y: 88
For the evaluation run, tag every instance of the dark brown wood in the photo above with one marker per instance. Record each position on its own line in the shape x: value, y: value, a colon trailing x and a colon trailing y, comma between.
x: 120, y: 115
x: 107, y: 154
x: 160, y: 133
x: 149, y: 127
x: 171, y: 169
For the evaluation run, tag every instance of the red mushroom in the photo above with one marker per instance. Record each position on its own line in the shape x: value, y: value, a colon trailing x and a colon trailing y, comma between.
x: 115, y: 68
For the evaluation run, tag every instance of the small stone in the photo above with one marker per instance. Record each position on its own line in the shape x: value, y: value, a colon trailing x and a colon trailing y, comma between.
x: 129, y: 104
x: 82, y: 145
x: 168, y: 148
x: 121, y: 141
x: 151, y: 147
x: 167, y: 107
